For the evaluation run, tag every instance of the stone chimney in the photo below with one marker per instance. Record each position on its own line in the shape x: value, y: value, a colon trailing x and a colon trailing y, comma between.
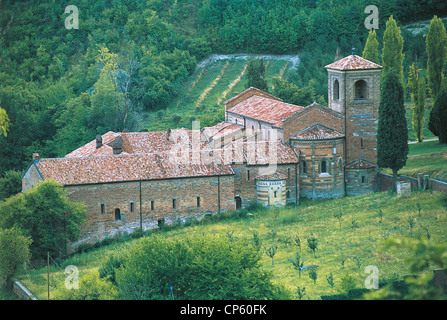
x: 98, y: 141
x: 36, y: 156
x: 117, y: 146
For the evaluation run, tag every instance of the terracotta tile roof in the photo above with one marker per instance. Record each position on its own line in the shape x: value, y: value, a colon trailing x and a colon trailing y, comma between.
x: 248, y: 93
x: 221, y: 129
x: 72, y: 171
x: 139, y: 142
x: 272, y: 176
x: 317, y: 132
x: 90, y: 148
x: 265, y: 109
x: 259, y: 152
x: 353, y: 62
x: 360, y: 164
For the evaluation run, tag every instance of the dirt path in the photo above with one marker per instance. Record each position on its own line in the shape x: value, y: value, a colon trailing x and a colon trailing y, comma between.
x: 293, y: 59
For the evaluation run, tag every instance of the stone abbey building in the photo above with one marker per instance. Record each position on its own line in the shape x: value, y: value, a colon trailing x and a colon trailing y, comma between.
x: 266, y: 150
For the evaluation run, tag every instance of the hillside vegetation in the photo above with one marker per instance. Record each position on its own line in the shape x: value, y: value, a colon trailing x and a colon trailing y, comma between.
x: 345, y: 246
x: 61, y: 87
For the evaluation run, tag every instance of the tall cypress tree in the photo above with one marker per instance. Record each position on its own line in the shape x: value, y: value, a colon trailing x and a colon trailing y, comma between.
x: 418, y: 86
x: 392, y: 132
x: 371, y: 50
x: 392, y: 56
x: 436, y: 44
x: 438, y: 115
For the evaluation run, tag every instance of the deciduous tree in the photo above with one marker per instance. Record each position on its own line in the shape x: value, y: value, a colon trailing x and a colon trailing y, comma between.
x: 14, y: 252
x: 46, y: 214
x: 256, y: 75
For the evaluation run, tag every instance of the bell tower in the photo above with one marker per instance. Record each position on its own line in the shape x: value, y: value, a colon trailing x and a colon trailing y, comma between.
x: 354, y: 91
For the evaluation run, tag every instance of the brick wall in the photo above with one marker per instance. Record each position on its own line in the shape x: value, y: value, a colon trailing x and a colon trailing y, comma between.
x: 245, y: 182
x: 360, y: 181
x: 310, y: 116
x: 313, y: 183
x: 157, y: 198
x: 361, y: 132
x: 386, y: 182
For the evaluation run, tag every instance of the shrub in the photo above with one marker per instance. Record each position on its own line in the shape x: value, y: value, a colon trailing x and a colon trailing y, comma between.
x: 14, y: 252
x: 199, y: 267
x: 91, y: 287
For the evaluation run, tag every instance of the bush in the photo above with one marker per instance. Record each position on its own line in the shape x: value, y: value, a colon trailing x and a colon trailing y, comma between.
x: 14, y: 253
x: 47, y: 215
x: 199, y: 267
x: 91, y: 287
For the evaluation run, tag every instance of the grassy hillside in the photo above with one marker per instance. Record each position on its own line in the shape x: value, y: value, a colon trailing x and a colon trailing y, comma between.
x: 215, y: 80
x: 428, y: 158
x: 345, y: 247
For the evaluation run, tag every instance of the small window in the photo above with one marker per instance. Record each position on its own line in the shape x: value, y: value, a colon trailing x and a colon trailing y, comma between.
x: 103, y: 208
x: 323, y: 166
x: 363, y: 178
x: 198, y: 202
x: 360, y: 90
x: 152, y: 205
x: 336, y: 90
x: 238, y: 201
x: 340, y: 166
x: 288, y: 194
x: 304, y: 167
x: 248, y: 175
x: 117, y: 214
x: 361, y: 143
x: 174, y: 204
x: 288, y: 173
x: 275, y: 194
x: 132, y: 207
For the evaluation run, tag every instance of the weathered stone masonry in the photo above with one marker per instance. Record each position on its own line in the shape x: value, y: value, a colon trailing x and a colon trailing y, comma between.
x: 265, y: 151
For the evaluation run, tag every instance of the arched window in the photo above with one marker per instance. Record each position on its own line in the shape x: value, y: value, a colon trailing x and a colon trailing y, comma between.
x: 238, y: 201
x: 336, y: 90
x: 360, y: 90
x: 117, y: 214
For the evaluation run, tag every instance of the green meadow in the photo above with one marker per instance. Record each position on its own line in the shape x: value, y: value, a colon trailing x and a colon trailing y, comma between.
x: 345, y: 246
x: 213, y: 82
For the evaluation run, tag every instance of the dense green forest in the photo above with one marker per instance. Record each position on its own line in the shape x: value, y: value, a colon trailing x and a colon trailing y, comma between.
x: 61, y: 87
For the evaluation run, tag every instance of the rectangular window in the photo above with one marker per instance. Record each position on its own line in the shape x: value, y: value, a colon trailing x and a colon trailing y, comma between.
x: 198, y: 201
x: 152, y: 205
x: 103, y: 208
x: 248, y: 175
x: 174, y: 204
x: 132, y: 207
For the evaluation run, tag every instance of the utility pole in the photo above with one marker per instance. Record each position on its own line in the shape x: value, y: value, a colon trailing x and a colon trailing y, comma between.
x: 48, y: 274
